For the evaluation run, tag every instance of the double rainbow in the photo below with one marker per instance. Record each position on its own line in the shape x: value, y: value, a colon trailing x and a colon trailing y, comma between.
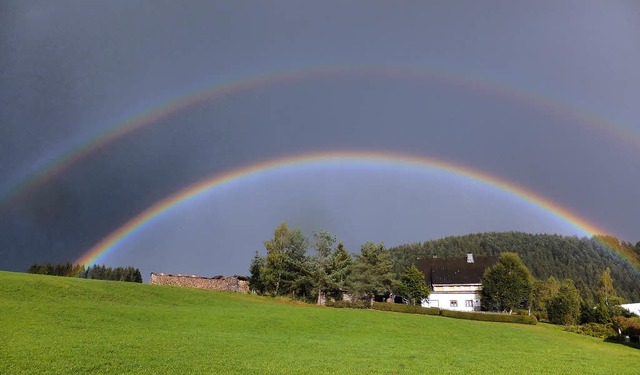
x: 111, y: 242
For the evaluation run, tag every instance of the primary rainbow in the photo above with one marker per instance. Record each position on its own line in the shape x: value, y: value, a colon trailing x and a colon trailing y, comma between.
x: 110, y: 243
x: 153, y: 115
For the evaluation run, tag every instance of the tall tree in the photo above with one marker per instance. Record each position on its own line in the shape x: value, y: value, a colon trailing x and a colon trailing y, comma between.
x: 340, y: 270
x: 507, y: 285
x: 413, y: 286
x: 256, y: 268
x: 321, y: 271
x: 286, y: 265
x: 372, y: 271
x: 543, y: 292
x: 608, y: 300
x: 564, y: 307
x: 275, y: 260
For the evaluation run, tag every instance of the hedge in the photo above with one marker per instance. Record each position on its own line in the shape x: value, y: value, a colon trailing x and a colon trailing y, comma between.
x: 402, y: 308
x: 503, y: 318
x: 348, y: 304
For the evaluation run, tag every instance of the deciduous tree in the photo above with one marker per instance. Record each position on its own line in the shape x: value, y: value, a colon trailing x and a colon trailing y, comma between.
x: 286, y: 267
x: 507, y: 285
x: 412, y: 285
x: 564, y: 307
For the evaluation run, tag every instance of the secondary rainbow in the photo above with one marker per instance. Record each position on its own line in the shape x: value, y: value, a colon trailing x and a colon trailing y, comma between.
x: 152, y: 115
x: 110, y: 243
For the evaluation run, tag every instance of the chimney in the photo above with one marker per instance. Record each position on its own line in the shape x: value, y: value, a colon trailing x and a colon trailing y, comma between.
x: 469, y: 258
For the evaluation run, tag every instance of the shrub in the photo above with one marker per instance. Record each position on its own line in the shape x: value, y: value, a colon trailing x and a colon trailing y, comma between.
x: 488, y: 317
x: 347, y: 304
x: 541, y: 315
x: 628, y: 326
x: 402, y: 308
x: 598, y: 330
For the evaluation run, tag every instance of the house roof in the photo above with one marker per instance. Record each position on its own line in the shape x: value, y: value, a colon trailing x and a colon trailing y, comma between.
x: 454, y: 270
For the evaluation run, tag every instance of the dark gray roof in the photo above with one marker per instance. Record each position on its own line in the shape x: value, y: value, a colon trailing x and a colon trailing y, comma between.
x: 454, y: 270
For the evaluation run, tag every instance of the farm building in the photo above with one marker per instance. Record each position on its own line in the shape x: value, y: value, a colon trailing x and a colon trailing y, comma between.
x: 455, y: 282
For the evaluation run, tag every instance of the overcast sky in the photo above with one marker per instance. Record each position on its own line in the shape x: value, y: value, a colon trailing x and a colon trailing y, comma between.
x: 541, y: 94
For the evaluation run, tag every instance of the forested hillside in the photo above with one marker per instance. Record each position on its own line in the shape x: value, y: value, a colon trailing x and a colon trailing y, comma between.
x: 580, y: 259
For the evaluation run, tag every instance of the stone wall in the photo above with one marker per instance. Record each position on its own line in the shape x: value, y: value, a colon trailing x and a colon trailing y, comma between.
x: 238, y: 284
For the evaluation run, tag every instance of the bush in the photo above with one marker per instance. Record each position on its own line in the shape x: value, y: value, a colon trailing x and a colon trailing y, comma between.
x: 541, y: 315
x: 348, y: 304
x: 488, y: 317
x: 402, y: 308
x: 628, y: 326
x: 598, y: 330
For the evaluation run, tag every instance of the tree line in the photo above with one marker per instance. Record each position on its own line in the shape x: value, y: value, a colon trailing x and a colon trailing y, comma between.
x: 509, y: 286
x: 99, y: 272
x: 287, y: 269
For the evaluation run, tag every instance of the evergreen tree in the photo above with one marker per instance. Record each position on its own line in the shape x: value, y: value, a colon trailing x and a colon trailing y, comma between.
x: 320, y: 266
x: 372, y: 272
x: 340, y: 270
x: 137, y: 276
x: 256, y: 268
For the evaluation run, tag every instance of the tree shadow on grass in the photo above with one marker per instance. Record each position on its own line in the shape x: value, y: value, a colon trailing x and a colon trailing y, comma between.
x: 632, y: 343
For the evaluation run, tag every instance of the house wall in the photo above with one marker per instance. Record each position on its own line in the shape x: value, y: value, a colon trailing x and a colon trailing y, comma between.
x: 229, y: 284
x: 470, y: 288
x: 632, y: 307
x: 443, y: 300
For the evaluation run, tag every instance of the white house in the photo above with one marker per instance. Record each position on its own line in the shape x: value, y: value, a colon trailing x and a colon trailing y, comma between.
x: 455, y: 282
x: 632, y: 307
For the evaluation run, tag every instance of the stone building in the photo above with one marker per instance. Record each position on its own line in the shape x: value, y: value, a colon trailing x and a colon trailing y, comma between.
x: 238, y: 284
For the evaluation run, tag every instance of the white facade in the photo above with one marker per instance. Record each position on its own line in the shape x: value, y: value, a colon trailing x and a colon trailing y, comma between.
x: 465, y: 297
x: 632, y: 307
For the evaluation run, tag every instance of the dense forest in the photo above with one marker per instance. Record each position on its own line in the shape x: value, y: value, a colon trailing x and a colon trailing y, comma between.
x: 581, y: 259
x: 99, y: 272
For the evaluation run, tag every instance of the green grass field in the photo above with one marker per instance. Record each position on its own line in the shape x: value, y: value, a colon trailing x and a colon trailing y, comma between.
x: 65, y: 325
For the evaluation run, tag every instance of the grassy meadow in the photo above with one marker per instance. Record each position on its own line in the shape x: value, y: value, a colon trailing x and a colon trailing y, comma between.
x: 60, y: 325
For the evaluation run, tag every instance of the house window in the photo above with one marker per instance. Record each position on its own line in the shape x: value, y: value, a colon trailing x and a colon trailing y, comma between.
x: 468, y: 303
x: 453, y: 303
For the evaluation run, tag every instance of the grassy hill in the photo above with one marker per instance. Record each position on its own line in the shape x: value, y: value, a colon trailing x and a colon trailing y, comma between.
x: 53, y: 324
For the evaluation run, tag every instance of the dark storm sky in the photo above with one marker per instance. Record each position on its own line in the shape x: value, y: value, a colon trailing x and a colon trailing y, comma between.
x: 72, y: 70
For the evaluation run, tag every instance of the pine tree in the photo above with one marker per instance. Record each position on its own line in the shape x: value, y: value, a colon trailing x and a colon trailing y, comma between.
x: 372, y: 272
x: 320, y: 265
x: 256, y: 269
x: 341, y: 262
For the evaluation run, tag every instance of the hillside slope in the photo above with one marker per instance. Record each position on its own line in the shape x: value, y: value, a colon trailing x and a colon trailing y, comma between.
x: 581, y: 259
x: 65, y: 325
